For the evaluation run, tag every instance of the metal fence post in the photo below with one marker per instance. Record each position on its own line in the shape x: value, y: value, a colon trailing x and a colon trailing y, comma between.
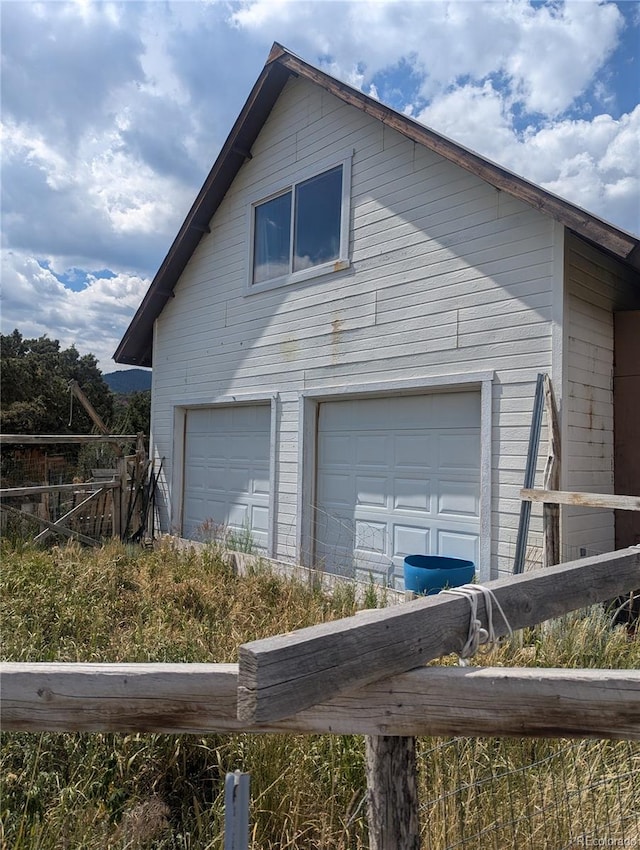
x: 529, y: 476
x: 236, y: 811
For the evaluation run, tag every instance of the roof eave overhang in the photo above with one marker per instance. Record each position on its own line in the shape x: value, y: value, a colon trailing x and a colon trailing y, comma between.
x: 136, y: 345
x: 135, y: 348
x: 624, y: 246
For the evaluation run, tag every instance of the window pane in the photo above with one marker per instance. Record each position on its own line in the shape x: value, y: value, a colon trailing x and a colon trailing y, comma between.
x: 317, y: 225
x: 272, y: 229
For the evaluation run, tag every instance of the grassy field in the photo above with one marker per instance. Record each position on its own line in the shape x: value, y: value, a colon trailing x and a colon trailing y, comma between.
x: 161, y: 791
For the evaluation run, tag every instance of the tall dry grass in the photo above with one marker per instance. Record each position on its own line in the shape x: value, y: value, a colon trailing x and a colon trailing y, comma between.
x: 97, y: 791
x: 163, y: 791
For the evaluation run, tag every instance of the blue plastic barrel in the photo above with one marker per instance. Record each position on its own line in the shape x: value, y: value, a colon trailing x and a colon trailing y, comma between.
x: 428, y: 574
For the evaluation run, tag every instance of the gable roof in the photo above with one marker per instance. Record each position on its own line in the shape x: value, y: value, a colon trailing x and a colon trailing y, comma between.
x: 135, y: 348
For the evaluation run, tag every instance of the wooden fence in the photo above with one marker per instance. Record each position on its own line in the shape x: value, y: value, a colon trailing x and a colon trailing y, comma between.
x: 111, y: 503
x: 363, y: 675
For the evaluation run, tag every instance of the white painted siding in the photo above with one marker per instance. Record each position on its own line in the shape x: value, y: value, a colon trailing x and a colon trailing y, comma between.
x: 596, y: 286
x: 447, y: 276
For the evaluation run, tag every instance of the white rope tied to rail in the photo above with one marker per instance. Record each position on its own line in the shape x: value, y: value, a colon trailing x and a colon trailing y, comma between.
x: 479, y: 636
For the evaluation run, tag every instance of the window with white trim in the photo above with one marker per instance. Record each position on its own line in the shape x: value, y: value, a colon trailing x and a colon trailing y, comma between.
x: 301, y: 231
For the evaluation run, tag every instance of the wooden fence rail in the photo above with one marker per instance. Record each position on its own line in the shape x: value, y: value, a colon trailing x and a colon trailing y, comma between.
x: 52, y: 526
x: 59, y: 439
x: 283, y: 675
x: 361, y: 675
x: 432, y: 701
x: 584, y: 500
x: 116, y: 504
x: 13, y: 492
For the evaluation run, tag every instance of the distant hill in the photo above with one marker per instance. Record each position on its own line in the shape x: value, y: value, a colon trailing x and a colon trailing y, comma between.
x: 128, y: 380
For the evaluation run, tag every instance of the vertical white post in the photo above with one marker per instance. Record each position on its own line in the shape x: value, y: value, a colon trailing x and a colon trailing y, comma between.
x: 236, y: 811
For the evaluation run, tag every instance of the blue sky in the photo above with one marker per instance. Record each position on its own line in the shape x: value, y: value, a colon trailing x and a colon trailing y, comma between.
x: 113, y: 113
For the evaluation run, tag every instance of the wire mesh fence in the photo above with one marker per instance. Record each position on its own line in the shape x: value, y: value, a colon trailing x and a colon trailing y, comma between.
x: 66, y: 484
x: 534, y: 794
x: 40, y: 464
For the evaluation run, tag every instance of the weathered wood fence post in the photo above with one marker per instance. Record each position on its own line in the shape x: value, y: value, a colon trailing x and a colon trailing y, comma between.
x: 392, y: 793
x: 280, y: 676
x: 117, y: 499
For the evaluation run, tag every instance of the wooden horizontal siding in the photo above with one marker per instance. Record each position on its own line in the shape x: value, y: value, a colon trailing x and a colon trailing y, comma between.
x: 596, y: 286
x: 447, y: 276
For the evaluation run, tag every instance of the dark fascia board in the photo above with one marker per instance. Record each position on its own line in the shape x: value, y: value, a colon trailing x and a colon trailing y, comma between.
x: 135, y: 347
x: 602, y: 233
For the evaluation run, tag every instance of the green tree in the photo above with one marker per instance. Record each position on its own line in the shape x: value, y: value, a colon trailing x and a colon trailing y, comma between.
x: 133, y: 412
x: 34, y: 387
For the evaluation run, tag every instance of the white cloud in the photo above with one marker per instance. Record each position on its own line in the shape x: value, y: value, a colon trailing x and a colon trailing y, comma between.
x: 592, y: 163
x: 93, y: 319
x: 556, y: 55
x: 98, y: 206
x: 114, y: 112
x: 547, y: 55
x: 19, y: 142
x: 474, y: 116
x: 132, y: 196
x: 62, y: 65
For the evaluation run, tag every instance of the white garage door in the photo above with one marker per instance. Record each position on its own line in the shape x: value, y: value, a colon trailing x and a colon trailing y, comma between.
x: 226, y: 472
x: 397, y: 476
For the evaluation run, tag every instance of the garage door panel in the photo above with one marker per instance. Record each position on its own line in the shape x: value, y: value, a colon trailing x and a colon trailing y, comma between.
x: 412, y: 494
x: 413, y: 451
x: 337, y: 560
x: 260, y: 483
x: 237, y: 515
x: 458, y: 498
x: 226, y: 471
x: 409, y: 540
x: 248, y: 417
x: 394, y: 413
x: 216, y: 508
x: 334, y: 490
x: 349, y: 561
x: 253, y: 446
x: 199, y: 477
x: 371, y: 450
x: 260, y: 519
x: 337, y: 447
x: 214, y: 486
x: 426, y: 498
x: 371, y: 492
x: 200, y: 514
x: 458, y: 544
x: 217, y: 447
x: 336, y: 554
x: 371, y: 536
x: 239, y: 447
x: 459, y: 451
x: 238, y: 481
x: 259, y: 452
x: 453, y: 410
x: 199, y: 446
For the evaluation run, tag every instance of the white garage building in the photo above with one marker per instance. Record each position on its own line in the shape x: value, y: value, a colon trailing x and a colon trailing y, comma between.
x: 346, y: 334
